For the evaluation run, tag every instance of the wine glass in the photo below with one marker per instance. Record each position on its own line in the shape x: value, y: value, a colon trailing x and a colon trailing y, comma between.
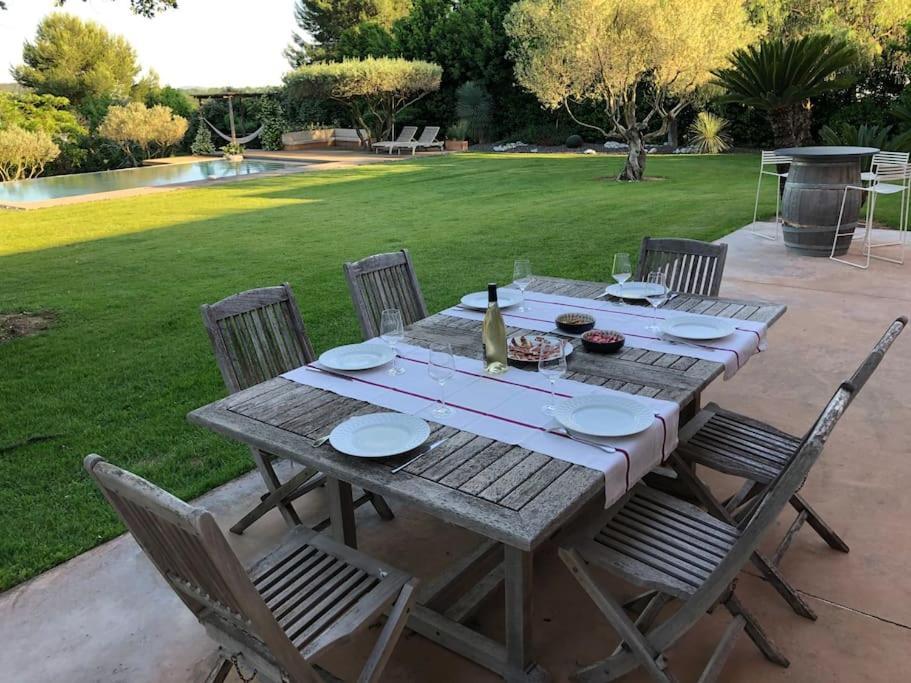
x: 622, y: 270
x: 392, y: 331
x: 441, y: 368
x: 552, y: 365
x: 656, y: 294
x: 521, y: 278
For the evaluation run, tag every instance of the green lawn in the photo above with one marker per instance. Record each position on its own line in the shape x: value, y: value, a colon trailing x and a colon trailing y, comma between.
x: 129, y: 358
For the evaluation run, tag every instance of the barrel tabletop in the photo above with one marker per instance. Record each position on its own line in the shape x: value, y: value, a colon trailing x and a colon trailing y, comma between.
x: 826, y: 151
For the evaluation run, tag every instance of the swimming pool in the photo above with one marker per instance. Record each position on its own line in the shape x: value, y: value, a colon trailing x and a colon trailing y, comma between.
x: 43, y: 189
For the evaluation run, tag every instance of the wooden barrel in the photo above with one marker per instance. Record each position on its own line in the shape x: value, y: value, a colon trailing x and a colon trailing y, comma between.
x: 812, y: 200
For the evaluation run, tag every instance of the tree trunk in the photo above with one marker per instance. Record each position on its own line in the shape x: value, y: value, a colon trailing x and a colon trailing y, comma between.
x: 635, y: 159
x: 673, y: 134
x: 791, y: 125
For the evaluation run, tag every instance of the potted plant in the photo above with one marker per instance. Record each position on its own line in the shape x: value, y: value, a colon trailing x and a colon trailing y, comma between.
x: 457, y: 137
x: 233, y: 151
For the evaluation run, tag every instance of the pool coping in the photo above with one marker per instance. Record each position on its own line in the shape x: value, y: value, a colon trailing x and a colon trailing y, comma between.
x: 296, y: 165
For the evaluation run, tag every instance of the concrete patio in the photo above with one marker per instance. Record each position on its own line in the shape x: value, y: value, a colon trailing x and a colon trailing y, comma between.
x: 107, y: 615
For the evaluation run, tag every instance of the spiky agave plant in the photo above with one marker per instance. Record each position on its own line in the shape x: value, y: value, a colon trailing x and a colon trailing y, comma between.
x: 709, y: 133
x: 781, y: 76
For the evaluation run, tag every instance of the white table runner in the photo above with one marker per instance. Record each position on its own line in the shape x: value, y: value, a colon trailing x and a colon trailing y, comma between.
x: 749, y: 337
x: 507, y: 408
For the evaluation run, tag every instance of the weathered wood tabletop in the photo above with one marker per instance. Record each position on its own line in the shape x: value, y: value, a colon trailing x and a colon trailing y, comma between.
x: 505, y: 493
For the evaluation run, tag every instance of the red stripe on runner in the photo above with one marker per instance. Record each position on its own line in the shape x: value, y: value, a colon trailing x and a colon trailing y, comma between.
x: 471, y: 410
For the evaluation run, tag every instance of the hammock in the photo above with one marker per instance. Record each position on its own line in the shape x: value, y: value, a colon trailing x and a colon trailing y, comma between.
x: 240, y: 141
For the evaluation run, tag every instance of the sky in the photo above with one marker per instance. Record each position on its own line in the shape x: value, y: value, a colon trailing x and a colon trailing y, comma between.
x: 210, y: 43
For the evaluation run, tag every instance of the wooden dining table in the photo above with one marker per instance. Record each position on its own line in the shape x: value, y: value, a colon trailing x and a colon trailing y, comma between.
x: 514, y: 499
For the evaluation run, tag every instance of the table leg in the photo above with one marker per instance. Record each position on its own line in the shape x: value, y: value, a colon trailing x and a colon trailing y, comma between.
x: 341, y: 511
x: 517, y: 566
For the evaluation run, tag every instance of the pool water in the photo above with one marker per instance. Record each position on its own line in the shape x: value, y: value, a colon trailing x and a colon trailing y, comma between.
x: 42, y: 189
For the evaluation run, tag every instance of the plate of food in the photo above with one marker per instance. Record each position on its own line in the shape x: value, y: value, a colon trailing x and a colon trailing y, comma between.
x: 526, y: 348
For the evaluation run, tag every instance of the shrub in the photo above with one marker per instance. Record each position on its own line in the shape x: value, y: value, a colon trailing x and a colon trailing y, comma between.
x: 233, y: 148
x: 473, y: 105
x: 856, y: 136
x: 273, y: 122
x: 458, y: 130
x: 709, y: 133
x: 202, y: 144
x: 574, y: 141
x: 373, y: 90
x: 143, y: 132
x: 25, y: 153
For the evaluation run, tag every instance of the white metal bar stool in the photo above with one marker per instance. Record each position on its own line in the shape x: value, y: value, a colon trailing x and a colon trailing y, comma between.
x: 899, y: 177
x: 770, y: 159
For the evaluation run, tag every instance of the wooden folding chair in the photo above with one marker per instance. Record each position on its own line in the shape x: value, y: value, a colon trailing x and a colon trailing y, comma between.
x: 740, y: 446
x: 384, y: 281
x: 283, y: 614
x: 679, y: 551
x: 690, y: 266
x: 257, y: 335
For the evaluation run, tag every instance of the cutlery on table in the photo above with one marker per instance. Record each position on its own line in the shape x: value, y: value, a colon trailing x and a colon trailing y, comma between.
x: 560, y: 431
x: 424, y: 451
x: 326, y: 371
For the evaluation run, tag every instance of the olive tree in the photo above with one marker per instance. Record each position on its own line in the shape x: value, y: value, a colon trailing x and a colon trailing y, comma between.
x: 374, y: 90
x: 611, y: 53
x: 142, y: 131
x: 25, y: 153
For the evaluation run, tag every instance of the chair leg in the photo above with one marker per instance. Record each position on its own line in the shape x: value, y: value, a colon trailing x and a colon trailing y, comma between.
x: 652, y: 661
x: 381, y: 506
x: 840, y: 233
x: 772, y: 574
x: 755, y: 632
x: 389, y: 636
x: 819, y: 526
x: 220, y: 671
x: 264, y: 465
x: 728, y: 639
x: 306, y: 480
x: 753, y: 229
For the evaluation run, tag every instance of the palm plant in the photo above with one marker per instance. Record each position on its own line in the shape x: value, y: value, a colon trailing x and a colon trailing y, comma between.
x: 709, y: 134
x: 473, y: 105
x: 901, y: 110
x: 857, y: 136
x: 781, y: 76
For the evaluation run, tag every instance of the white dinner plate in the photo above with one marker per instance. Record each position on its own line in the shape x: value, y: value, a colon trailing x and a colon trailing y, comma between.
x: 633, y: 290
x: 534, y: 356
x: 356, y: 356
x: 697, y: 327
x: 505, y: 299
x: 604, y: 415
x: 379, y: 435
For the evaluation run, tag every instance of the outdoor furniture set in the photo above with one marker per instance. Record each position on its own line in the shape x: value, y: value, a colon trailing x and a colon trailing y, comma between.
x: 819, y: 194
x: 495, y: 464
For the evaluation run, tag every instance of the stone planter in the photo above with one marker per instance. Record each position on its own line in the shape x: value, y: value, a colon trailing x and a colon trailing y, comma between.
x: 456, y: 145
x: 235, y: 158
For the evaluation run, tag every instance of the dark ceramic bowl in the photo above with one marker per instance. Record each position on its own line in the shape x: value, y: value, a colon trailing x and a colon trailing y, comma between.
x: 594, y: 346
x: 575, y: 323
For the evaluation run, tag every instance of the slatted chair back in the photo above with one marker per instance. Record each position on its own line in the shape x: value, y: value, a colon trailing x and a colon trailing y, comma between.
x: 769, y: 158
x: 407, y: 134
x: 428, y: 135
x: 187, y: 547
x: 775, y: 497
x: 892, y: 172
x: 257, y: 335
x: 384, y: 281
x: 889, y: 159
x: 690, y: 266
